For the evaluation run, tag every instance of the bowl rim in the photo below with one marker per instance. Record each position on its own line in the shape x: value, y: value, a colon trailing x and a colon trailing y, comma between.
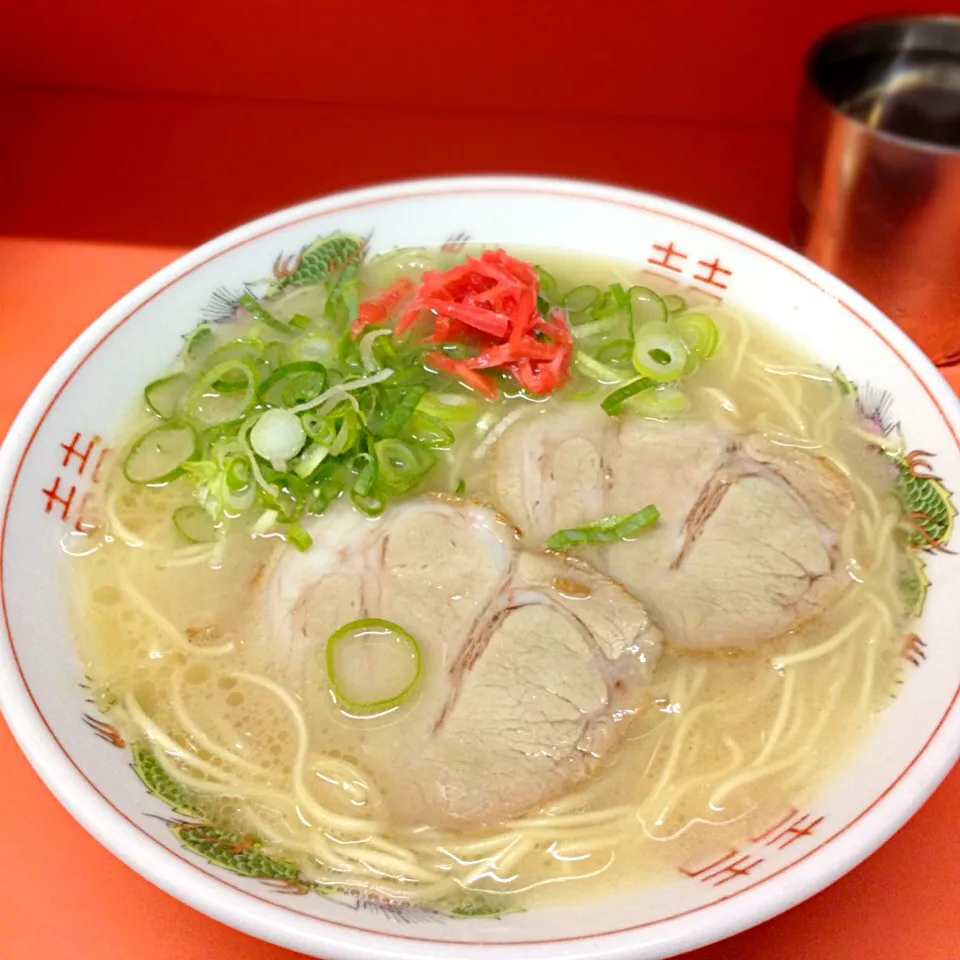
x: 244, y: 910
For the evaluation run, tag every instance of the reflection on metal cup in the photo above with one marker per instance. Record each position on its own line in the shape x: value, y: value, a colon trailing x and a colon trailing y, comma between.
x: 877, y: 197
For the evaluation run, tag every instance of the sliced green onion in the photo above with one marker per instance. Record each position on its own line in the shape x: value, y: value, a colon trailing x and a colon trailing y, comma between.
x: 430, y: 431
x: 259, y: 312
x: 595, y: 328
x: 620, y: 297
x: 165, y: 396
x: 596, y: 370
x: 264, y: 522
x: 344, y: 297
x: 277, y: 436
x: 547, y: 285
x: 698, y: 332
x: 674, y: 303
x: 585, y: 392
x: 294, y: 383
x: 290, y: 498
x: 242, y: 410
x: 401, y: 465
x: 363, y: 490
x: 243, y: 348
x: 605, y: 306
x: 616, y: 351
x: 365, y: 346
x: 344, y: 387
x: 622, y: 526
x: 310, y: 459
x: 324, y: 494
x: 324, y: 349
x: 274, y: 355
x: 221, y: 433
x: 203, y: 471
x: 195, y: 524
x: 222, y: 484
x: 298, y: 537
x: 448, y: 407
x: 844, y: 385
x: 318, y: 428
x: 158, y: 456
x: 244, y: 439
x: 614, y: 401
x: 692, y: 364
x: 366, y: 474
x: 211, y: 405
x: 346, y: 682
x: 347, y: 433
x: 658, y: 352
x: 237, y: 501
x: 197, y: 342
x: 236, y: 472
x: 580, y: 298
x: 665, y: 401
x: 320, y: 423
x: 645, y: 307
x: 398, y: 415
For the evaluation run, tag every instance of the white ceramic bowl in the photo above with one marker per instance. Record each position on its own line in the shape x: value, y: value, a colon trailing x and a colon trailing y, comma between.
x: 50, y: 459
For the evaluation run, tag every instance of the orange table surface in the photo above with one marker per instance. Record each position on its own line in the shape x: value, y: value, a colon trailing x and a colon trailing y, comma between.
x: 62, y: 895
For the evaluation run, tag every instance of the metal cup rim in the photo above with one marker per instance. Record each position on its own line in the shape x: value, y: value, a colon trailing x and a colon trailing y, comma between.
x: 864, y: 28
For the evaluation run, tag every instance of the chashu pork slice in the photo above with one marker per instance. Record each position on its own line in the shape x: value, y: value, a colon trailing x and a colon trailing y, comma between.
x: 746, y: 545
x: 533, y: 664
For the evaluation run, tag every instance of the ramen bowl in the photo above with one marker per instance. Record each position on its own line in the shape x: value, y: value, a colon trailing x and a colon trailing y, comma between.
x: 52, y: 462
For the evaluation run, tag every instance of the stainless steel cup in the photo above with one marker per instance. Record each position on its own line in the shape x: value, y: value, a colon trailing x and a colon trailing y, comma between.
x: 877, y: 197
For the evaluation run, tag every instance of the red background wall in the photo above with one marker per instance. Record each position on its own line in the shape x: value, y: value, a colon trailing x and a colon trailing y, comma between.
x: 700, y: 60
x: 189, y: 116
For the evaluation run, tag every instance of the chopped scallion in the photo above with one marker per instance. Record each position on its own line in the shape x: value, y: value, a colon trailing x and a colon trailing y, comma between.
x: 397, y: 416
x: 674, y: 303
x: 277, y: 436
x: 645, y: 307
x: 621, y: 526
x: 616, y: 351
x: 264, y: 522
x: 214, y: 397
x: 430, y: 431
x: 402, y: 464
x: 197, y: 342
x: 294, y: 383
x: 165, y: 396
x: 547, y: 285
x: 310, y: 459
x: 363, y: 490
x: 350, y: 670
x: 596, y: 328
x: 298, y: 537
x: 658, y: 352
x: 261, y: 313
x: 614, y: 401
x: 580, y: 298
x: 365, y: 347
x: 448, y: 407
x: 159, y: 454
x: 698, y: 332
x: 596, y: 370
x: 195, y: 524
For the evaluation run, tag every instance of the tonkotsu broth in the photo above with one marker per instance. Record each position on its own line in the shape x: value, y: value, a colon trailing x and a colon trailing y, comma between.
x: 727, y: 744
